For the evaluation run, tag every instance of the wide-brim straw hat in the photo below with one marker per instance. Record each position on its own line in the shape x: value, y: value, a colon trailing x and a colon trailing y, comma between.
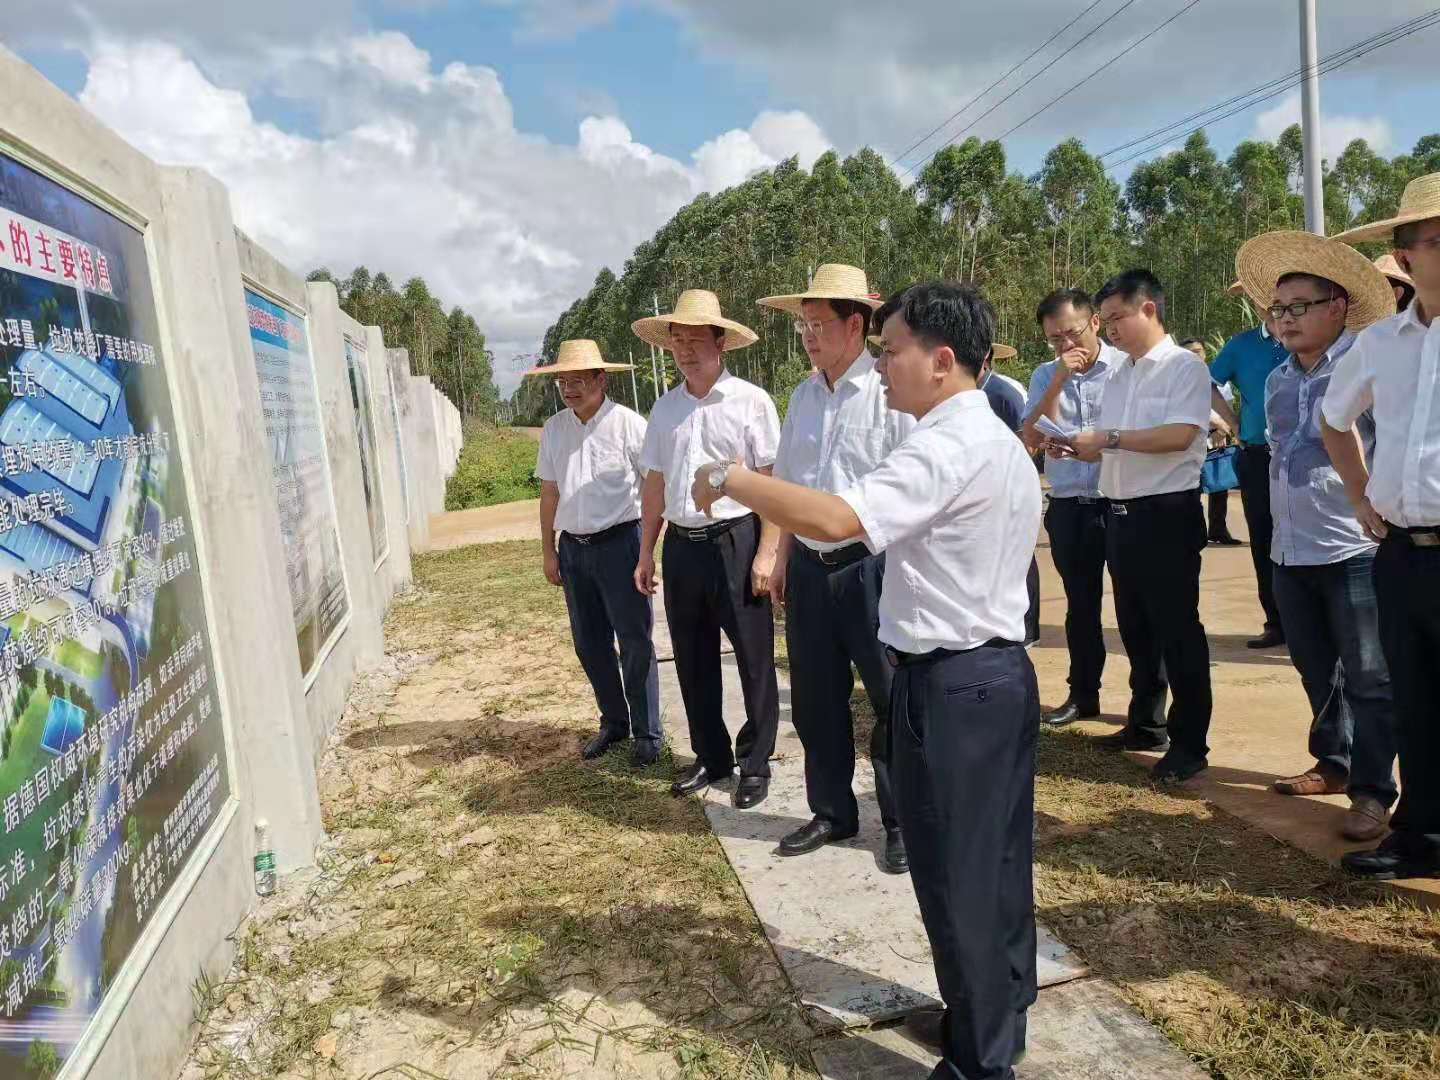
x: 1387, y: 265
x: 1267, y: 258
x: 998, y: 352
x: 833, y: 281
x: 576, y: 355
x: 1421, y: 202
x: 696, y: 307
x: 1236, y: 289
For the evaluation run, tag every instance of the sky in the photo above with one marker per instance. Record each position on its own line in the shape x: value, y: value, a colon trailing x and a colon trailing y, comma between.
x: 507, y: 150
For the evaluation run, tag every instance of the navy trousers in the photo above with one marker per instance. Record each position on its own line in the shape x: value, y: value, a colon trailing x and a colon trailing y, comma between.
x: 963, y: 732
x: 605, y: 607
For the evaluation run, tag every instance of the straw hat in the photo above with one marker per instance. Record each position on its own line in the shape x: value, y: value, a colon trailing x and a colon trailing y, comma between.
x: 696, y: 307
x: 833, y: 281
x: 1236, y: 289
x: 998, y: 352
x: 1420, y: 202
x: 1387, y: 265
x: 1267, y: 258
x: 577, y: 354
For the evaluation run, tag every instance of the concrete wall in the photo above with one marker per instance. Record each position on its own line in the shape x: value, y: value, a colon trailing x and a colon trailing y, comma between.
x: 275, y: 730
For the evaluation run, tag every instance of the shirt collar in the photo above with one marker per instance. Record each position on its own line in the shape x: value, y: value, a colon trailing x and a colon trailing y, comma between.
x: 1338, y: 348
x: 1411, y: 317
x: 718, y: 388
x: 966, y: 399
x: 1264, y: 332
x: 863, y: 365
x: 1109, y: 357
x: 1164, y: 345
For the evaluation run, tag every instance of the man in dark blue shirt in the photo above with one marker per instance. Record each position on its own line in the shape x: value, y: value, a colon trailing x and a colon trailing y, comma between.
x: 1246, y: 362
x: 1007, y: 401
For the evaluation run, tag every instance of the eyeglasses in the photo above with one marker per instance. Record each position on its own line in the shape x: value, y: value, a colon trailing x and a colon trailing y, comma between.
x: 1296, y: 310
x: 813, y: 326
x: 1074, y: 333
x: 1432, y: 243
x: 579, y: 383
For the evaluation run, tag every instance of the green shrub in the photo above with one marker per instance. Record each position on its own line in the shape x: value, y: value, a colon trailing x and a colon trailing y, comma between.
x: 497, y: 465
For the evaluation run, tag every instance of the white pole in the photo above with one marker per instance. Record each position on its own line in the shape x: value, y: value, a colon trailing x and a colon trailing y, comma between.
x: 634, y: 394
x: 1310, y: 121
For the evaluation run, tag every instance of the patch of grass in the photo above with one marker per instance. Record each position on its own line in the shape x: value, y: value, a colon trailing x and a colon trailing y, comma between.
x: 497, y: 465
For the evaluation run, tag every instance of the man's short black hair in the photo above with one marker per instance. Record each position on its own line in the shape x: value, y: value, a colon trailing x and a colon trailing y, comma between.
x: 1053, y: 304
x: 1335, y: 290
x: 845, y: 308
x: 1191, y: 341
x: 948, y: 313
x: 1135, y: 287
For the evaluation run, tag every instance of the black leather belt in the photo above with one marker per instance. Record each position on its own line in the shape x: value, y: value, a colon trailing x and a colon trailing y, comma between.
x: 898, y: 659
x: 708, y: 532
x: 603, y: 535
x: 1420, y: 536
x: 850, y: 553
x: 1122, y: 507
x: 1080, y: 500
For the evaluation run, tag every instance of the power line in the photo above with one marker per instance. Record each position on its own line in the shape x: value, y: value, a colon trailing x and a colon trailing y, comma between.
x: 1069, y: 49
x: 1324, y: 67
x: 1286, y: 81
x: 953, y: 116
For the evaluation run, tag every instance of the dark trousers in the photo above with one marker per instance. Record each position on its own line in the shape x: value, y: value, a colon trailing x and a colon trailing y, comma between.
x: 604, y: 606
x: 707, y: 589
x: 1217, y: 513
x: 1332, y: 625
x: 831, y: 617
x: 1154, y: 554
x: 1407, y: 586
x: 1077, y: 545
x: 963, y: 734
x: 1252, y: 468
x: 1032, y: 613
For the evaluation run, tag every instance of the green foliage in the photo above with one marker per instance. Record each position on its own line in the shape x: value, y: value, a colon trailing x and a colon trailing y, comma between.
x: 450, y: 348
x: 43, y: 1061
x: 496, y: 465
x: 967, y: 216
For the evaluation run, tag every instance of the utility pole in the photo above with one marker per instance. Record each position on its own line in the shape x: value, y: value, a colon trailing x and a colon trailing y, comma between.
x: 634, y: 393
x: 1314, y: 178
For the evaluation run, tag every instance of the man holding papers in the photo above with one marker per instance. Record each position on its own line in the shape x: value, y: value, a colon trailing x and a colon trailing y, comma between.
x: 1065, y: 397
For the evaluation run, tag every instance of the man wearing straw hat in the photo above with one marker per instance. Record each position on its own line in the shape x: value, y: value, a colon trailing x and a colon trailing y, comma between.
x: 1323, y: 293
x: 956, y: 508
x: 1400, y: 282
x: 837, y: 429
x: 717, y: 566
x: 1393, y: 370
x: 589, y: 471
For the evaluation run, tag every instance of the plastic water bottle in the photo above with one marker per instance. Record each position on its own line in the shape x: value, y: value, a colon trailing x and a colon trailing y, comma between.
x: 264, y: 860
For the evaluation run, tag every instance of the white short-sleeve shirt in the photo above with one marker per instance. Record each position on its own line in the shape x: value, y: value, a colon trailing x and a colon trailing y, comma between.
x: 1168, y: 385
x: 956, y: 507
x: 596, y: 467
x: 735, y: 421
x: 832, y: 438
x: 1394, y: 369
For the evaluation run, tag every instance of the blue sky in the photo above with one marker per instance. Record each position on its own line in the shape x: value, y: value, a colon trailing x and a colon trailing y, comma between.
x: 507, y: 149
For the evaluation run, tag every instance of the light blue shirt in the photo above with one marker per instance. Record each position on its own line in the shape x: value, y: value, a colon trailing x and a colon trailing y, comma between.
x: 1077, y: 408
x: 1314, y: 522
x: 1246, y: 361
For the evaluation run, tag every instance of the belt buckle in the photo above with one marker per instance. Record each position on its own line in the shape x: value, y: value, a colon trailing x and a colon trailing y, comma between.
x: 1425, y: 539
x: 580, y: 539
x: 1119, y: 509
x: 892, y: 657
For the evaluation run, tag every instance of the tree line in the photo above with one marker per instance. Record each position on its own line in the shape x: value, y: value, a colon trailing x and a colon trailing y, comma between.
x: 967, y: 216
x: 448, y: 347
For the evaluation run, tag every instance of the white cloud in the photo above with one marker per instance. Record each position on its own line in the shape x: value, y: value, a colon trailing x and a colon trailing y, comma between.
x: 422, y: 172
x: 1336, y: 132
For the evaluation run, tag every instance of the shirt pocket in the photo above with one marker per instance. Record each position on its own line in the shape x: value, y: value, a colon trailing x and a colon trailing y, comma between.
x: 608, y: 463
x: 857, y: 448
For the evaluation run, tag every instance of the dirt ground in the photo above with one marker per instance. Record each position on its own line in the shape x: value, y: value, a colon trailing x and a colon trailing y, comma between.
x: 489, y: 906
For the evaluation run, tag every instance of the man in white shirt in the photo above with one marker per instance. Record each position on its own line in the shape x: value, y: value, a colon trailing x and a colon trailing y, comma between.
x: 1068, y: 391
x: 1154, y: 418
x: 589, y: 470
x: 717, y: 567
x: 837, y: 429
x: 956, y: 508
x: 1393, y: 369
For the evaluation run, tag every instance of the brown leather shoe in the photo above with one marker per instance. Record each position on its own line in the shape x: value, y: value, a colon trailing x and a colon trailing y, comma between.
x: 1367, y: 819
x: 1316, y: 781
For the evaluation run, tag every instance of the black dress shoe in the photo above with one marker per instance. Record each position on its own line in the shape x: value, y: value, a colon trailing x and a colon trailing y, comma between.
x: 751, y: 791
x: 693, y: 780
x: 897, y: 859
x: 1123, y: 740
x: 1069, y: 713
x: 645, y: 752
x: 1176, y: 768
x: 597, y: 746
x: 814, y: 834
x: 1390, y: 861
x: 1272, y: 637
x: 1224, y: 541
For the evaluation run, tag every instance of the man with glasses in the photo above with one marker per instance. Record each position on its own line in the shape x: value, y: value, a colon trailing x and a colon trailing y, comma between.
x: 1151, y: 444
x: 1067, y: 391
x: 1245, y: 363
x: 589, y: 470
x: 837, y: 429
x: 1394, y: 371
x: 1324, y: 293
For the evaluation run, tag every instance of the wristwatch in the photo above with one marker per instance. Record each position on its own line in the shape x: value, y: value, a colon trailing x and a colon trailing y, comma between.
x: 1112, y: 439
x: 717, y: 474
